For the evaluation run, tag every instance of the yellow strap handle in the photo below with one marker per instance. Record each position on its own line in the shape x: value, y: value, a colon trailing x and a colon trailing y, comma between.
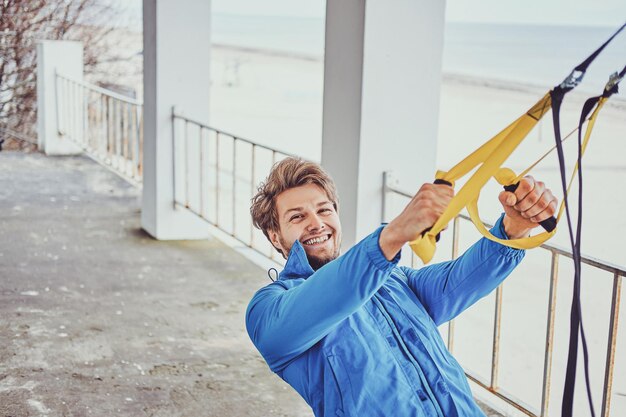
x: 490, y: 156
x: 539, y: 239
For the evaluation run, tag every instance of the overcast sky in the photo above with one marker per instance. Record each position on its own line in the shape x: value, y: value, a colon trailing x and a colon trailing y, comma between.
x: 562, y: 12
x: 552, y: 12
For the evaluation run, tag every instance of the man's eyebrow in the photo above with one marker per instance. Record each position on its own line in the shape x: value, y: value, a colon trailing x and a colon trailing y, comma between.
x: 298, y: 209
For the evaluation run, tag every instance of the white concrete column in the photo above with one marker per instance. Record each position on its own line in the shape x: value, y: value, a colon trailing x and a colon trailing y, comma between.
x: 66, y: 58
x: 176, y: 73
x: 382, y: 76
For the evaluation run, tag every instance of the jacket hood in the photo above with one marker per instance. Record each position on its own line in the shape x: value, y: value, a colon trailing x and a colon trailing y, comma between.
x: 297, y: 265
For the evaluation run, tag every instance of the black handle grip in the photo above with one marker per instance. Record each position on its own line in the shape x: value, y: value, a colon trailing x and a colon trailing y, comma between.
x: 438, y: 182
x: 548, y: 224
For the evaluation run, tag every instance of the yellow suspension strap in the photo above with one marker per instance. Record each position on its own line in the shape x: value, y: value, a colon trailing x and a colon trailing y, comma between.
x: 489, y: 159
x: 510, y: 181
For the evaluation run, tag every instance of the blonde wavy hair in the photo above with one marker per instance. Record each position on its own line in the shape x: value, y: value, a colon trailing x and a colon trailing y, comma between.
x: 288, y: 173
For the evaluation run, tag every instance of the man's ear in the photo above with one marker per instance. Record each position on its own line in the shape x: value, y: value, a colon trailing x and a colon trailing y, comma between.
x: 275, y: 239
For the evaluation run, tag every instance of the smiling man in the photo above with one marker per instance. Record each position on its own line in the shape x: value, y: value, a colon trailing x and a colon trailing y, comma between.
x: 319, y: 234
x: 356, y: 335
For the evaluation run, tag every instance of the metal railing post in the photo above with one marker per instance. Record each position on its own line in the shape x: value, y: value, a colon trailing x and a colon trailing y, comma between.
x: 549, y: 346
x: 103, y: 130
x: 118, y: 133
x: 383, y: 211
x: 495, y: 358
x: 456, y: 230
x: 124, y: 123
x: 174, y: 154
x: 252, y: 169
x: 110, y: 148
x: 140, y: 163
x: 611, y: 345
x: 234, y: 213
x: 273, y: 250
x: 201, y: 169
x: 57, y: 98
x: 217, y: 179
x: 135, y: 140
x: 186, y: 158
x: 85, y: 110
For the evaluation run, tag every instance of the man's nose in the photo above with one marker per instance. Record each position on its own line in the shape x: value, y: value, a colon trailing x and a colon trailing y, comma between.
x: 315, y: 222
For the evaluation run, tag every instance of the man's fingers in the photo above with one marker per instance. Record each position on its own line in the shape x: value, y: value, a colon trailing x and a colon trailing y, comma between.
x: 435, y: 195
x: 542, y: 203
x: 434, y: 191
x: 531, y: 198
x: 549, y: 211
x: 507, y: 198
x: 444, y: 189
x: 428, y: 205
x: 524, y: 187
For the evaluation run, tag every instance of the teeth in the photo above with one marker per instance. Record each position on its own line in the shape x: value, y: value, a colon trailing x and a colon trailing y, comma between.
x: 316, y: 240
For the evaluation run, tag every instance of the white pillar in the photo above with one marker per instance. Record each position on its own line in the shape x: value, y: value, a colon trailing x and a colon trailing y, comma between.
x: 176, y: 73
x: 382, y: 76
x: 66, y: 58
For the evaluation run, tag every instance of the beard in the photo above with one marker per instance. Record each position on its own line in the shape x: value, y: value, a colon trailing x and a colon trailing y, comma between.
x: 316, y: 262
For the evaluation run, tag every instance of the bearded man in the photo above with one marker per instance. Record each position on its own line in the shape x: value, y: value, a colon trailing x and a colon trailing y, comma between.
x: 356, y: 334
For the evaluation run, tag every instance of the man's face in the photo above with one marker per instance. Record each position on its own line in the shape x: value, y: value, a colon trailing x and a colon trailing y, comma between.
x: 306, y: 214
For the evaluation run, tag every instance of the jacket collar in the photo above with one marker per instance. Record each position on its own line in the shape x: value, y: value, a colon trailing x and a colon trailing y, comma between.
x: 297, y: 265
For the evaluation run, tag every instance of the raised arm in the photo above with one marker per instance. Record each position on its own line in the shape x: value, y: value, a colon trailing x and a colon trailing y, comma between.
x: 448, y: 288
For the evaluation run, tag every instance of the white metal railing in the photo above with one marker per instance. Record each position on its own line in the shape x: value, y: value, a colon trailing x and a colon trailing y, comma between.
x: 491, y: 384
x: 108, y: 126
x: 215, y: 176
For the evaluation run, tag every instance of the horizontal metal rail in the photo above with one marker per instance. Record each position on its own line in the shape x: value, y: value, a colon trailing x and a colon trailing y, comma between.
x: 491, y: 386
x: 106, y: 125
x: 588, y: 260
x: 179, y: 116
x: 103, y: 91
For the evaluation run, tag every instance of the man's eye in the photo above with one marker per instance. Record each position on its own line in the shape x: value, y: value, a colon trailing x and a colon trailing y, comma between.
x: 295, y: 217
x: 325, y: 211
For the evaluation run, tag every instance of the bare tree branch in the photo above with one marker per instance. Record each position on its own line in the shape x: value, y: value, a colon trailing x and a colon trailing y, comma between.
x: 22, y: 23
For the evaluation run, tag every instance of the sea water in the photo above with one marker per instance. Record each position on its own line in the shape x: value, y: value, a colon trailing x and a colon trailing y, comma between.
x: 534, y: 54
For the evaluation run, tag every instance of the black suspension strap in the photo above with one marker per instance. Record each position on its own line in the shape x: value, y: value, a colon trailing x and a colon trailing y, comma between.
x: 576, y: 323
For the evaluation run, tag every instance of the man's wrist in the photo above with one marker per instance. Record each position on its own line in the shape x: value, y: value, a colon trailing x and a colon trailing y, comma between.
x: 389, y: 241
x: 512, y: 230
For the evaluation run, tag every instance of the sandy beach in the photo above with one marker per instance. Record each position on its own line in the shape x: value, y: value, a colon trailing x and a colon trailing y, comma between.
x: 276, y: 99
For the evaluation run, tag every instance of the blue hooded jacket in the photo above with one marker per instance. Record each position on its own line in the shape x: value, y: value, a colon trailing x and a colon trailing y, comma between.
x: 359, y: 336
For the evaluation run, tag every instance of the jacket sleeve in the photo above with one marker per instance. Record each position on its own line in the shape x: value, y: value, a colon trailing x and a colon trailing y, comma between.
x: 448, y: 288
x: 283, y: 323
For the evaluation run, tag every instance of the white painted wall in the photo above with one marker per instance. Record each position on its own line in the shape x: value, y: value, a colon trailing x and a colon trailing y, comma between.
x: 382, y: 77
x: 176, y: 73
x: 66, y: 58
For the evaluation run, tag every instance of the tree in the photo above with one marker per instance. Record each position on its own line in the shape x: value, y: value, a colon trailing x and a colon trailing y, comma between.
x: 22, y: 24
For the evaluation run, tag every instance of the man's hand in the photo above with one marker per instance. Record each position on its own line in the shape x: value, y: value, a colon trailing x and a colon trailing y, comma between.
x: 421, y: 213
x: 530, y: 204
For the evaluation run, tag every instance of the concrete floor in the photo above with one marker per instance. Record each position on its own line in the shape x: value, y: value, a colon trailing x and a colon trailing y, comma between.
x: 97, y: 318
